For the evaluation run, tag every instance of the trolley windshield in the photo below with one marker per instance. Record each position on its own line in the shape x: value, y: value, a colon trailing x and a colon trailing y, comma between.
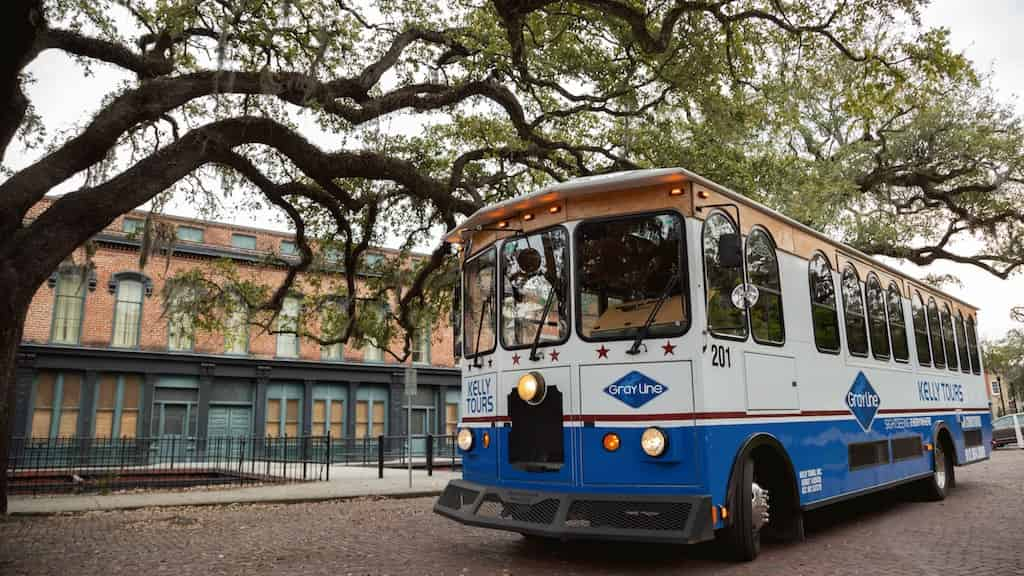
x: 626, y: 266
x: 534, y: 287
x: 478, y: 304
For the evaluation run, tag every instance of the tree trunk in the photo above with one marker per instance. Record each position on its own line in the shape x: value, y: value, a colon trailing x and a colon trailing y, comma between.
x: 12, y: 321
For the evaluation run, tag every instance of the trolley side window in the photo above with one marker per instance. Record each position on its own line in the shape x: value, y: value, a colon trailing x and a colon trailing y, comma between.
x: 924, y: 353
x: 947, y: 338
x: 961, y: 336
x: 972, y: 344
x: 723, y: 271
x: 897, y: 324
x: 627, y: 269
x: 853, y: 303
x: 877, y: 326
x: 479, y: 309
x: 823, y: 305
x: 763, y: 272
x: 935, y: 334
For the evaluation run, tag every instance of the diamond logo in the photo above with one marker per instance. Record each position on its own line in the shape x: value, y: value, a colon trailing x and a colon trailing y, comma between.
x: 863, y: 401
x: 635, y: 389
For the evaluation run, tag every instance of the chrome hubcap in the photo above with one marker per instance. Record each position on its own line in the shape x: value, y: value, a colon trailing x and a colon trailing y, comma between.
x: 940, y: 467
x: 759, y: 515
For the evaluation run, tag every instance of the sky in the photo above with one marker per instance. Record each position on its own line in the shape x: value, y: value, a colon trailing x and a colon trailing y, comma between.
x: 987, y: 31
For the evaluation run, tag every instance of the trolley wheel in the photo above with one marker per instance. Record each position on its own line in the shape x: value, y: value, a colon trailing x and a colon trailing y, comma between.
x: 938, y: 485
x: 750, y: 513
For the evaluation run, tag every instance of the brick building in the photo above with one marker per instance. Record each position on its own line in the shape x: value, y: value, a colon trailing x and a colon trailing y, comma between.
x: 101, y: 358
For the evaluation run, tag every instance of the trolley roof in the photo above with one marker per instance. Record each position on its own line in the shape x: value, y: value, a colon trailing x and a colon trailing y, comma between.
x: 618, y: 181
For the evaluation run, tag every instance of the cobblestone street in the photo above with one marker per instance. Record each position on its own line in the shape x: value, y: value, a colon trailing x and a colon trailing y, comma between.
x: 976, y: 531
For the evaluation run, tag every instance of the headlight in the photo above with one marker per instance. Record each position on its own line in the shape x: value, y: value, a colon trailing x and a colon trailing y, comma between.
x: 531, y: 388
x: 465, y: 439
x: 654, y: 442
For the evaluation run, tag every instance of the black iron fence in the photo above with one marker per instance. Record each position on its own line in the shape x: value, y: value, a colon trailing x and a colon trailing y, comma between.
x: 396, y: 450
x: 80, y: 464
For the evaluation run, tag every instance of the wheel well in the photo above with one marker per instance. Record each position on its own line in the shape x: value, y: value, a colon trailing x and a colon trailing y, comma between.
x: 944, y: 437
x: 773, y: 471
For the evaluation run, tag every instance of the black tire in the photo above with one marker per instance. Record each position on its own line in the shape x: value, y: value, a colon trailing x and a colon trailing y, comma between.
x: 943, y: 479
x: 741, y: 539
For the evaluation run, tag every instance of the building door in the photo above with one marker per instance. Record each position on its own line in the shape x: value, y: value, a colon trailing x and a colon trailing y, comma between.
x: 229, y: 429
x: 174, y: 430
x: 420, y: 427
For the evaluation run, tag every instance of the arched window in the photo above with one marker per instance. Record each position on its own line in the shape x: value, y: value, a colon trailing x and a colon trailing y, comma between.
x: 961, y: 337
x: 924, y: 352
x: 878, y: 329
x: 766, y: 322
x: 823, y: 305
x: 972, y: 345
x: 180, y: 307
x: 853, y: 309
x: 897, y: 324
x: 935, y: 334
x: 947, y: 338
x: 127, y: 313
x: 723, y: 274
x: 67, y: 309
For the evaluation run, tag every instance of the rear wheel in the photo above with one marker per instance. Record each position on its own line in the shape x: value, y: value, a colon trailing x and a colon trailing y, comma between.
x: 751, y: 513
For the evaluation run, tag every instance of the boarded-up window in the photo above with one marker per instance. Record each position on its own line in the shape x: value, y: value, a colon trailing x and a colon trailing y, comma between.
x: 319, y: 416
x: 71, y: 399
x: 362, y: 418
x: 291, y: 423
x: 451, y: 418
x: 337, y: 418
x: 106, y: 405
x: 273, y: 417
x: 42, y: 416
x: 378, y: 418
x: 131, y: 400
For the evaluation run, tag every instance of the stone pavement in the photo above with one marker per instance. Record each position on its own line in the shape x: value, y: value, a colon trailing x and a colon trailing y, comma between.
x: 974, y: 532
x: 345, y: 482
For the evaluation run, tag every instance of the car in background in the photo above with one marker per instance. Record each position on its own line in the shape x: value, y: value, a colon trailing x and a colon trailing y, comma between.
x: 1003, y: 433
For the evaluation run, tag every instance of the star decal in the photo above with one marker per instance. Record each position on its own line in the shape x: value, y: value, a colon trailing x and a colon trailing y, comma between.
x: 602, y: 352
x: 669, y: 348
x: 554, y: 355
x: 515, y: 359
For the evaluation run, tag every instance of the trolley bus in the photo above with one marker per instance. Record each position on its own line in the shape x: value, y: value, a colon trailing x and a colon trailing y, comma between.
x: 650, y: 356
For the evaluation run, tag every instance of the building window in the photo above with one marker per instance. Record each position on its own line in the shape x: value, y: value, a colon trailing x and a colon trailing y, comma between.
x: 924, y: 354
x: 935, y: 334
x: 243, y: 241
x: 372, y: 261
x: 947, y: 338
x: 823, y: 305
x: 996, y: 390
x: 127, y: 313
x: 288, y: 248
x: 371, y: 412
x: 378, y: 315
x: 421, y: 344
x: 56, y: 403
x: 332, y: 323
x: 132, y: 226
x: 287, y: 326
x: 722, y: 277
x: 181, y: 320
x: 897, y: 324
x: 284, y: 410
x: 67, y: 309
x: 853, y: 310
x: 877, y: 328
x: 332, y: 255
x: 763, y: 272
x: 236, y: 327
x: 189, y: 233
x: 329, y: 410
x: 117, y: 406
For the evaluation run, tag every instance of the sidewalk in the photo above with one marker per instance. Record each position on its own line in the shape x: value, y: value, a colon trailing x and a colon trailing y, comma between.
x: 345, y: 482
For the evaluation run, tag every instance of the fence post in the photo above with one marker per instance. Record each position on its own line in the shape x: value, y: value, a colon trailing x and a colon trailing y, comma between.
x: 329, y: 455
x: 380, y: 456
x: 430, y: 454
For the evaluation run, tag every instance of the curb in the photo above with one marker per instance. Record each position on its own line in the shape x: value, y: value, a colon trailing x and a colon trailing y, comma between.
x: 246, y: 502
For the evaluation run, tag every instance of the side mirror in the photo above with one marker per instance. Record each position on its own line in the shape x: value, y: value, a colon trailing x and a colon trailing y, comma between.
x: 730, y: 253
x: 529, y: 260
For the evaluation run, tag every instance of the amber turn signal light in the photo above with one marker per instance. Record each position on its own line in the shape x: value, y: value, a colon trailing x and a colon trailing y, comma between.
x: 611, y: 442
x: 486, y: 440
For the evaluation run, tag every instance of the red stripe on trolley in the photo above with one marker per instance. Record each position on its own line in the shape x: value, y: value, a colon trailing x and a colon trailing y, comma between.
x: 718, y: 415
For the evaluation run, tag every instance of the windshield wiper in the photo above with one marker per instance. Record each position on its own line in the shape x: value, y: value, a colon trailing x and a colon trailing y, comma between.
x: 479, y: 331
x: 635, y: 348
x: 543, y: 321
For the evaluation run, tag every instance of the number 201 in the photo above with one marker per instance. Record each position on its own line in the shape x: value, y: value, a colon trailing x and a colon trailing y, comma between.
x: 721, y: 356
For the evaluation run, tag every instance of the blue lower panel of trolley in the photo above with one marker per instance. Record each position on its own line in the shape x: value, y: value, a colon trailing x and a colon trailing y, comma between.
x: 700, y: 458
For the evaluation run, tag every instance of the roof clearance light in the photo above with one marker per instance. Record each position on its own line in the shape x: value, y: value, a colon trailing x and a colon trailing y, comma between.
x: 503, y: 224
x: 528, y: 216
x: 653, y: 442
x: 703, y: 194
x: 554, y: 209
x: 531, y: 388
x: 675, y: 192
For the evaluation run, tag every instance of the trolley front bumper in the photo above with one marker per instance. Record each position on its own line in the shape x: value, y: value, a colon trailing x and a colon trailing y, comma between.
x: 671, y: 518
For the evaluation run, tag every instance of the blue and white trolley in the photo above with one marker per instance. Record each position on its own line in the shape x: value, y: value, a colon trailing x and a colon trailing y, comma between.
x: 651, y: 356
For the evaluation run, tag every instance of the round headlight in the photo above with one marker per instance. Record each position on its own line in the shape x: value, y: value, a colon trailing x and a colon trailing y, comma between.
x: 531, y: 388
x: 653, y: 441
x: 465, y: 439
